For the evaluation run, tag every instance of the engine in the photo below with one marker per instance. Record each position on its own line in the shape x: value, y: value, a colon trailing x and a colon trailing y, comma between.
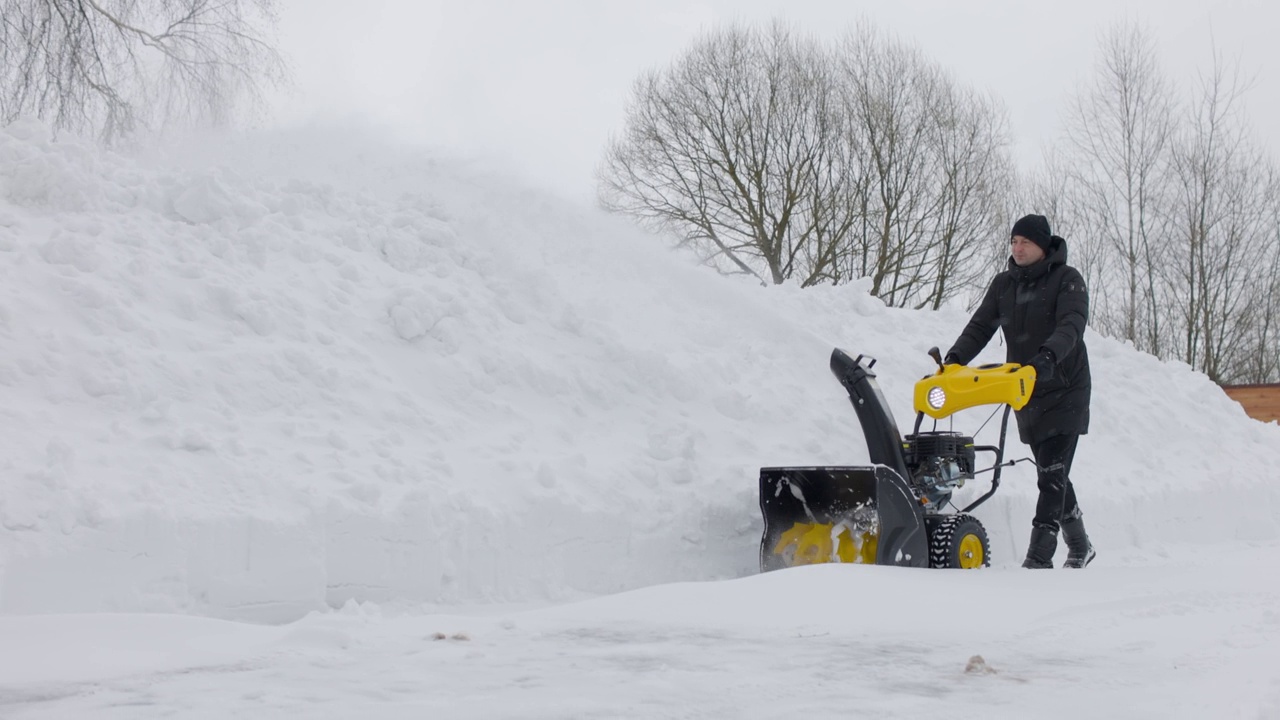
x: 939, y: 463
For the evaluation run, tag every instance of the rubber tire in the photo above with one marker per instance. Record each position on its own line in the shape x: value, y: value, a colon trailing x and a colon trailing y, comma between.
x: 946, y: 537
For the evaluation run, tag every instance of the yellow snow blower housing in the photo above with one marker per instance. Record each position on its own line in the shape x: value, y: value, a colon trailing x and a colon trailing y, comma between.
x: 959, y: 387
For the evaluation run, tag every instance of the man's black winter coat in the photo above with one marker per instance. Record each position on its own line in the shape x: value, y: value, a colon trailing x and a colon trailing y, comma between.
x: 1044, y: 305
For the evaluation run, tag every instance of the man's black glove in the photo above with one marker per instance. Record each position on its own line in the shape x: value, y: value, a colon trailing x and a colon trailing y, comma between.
x: 951, y: 359
x: 1044, y: 363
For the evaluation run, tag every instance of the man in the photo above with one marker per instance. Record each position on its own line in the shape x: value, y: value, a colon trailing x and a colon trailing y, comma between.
x: 1041, y: 304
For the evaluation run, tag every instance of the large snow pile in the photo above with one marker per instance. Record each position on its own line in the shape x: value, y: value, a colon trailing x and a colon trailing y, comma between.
x: 271, y: 375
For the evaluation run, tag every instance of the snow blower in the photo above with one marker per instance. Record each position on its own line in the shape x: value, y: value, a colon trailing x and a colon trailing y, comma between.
x: 898, y: 510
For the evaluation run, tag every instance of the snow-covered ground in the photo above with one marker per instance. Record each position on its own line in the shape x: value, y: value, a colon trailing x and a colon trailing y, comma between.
x: 276, y: 411
x: 1188, y: 640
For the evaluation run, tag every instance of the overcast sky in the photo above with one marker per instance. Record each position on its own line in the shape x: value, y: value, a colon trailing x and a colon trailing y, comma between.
x: 541, y: 84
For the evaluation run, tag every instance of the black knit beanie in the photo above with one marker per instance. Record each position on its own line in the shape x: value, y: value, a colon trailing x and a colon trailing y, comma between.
x: 1034, y: 228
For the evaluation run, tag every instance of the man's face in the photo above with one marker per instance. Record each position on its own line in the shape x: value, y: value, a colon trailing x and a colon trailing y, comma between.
x: 1025, y: 252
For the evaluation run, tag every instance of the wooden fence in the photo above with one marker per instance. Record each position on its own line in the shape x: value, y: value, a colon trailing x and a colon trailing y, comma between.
x: 1260, y: 401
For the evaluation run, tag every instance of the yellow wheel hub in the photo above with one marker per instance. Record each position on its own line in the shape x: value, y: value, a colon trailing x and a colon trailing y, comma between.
x: 813, y: 543
x: 971, y: 555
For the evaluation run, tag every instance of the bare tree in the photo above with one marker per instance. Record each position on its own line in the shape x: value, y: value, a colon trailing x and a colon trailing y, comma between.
x: 775, y: 157
x: 1121, y: 127
x: 890, y: 90
x: 732, y: 150
x: 110, y: 66
x: 974, y: 176
x: 1259, y: 358
x: 1224, y: 237
x: 934, y: 166
x: 1176, y: 208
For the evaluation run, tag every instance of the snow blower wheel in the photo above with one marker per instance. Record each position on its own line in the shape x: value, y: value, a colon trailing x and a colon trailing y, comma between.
x: 958, y: 542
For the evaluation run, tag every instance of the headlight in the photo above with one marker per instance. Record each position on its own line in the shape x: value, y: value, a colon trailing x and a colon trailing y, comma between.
x: 937, y: 398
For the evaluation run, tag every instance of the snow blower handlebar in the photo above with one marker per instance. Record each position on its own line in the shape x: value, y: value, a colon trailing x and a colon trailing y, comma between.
x: 958, y: 387
x: 998, y: 450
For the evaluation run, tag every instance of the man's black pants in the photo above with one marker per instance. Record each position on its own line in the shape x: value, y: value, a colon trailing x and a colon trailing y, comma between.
x: 1057, y: 495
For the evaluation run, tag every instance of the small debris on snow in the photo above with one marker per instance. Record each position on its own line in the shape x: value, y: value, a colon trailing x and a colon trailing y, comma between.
x: 978, y: 666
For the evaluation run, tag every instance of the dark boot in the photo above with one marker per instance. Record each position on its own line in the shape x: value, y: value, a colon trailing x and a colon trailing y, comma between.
x: 1044, y: 542
x: 1079, y: 549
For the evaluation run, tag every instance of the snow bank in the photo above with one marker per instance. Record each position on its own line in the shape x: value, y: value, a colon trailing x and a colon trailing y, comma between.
x: 260, y: 377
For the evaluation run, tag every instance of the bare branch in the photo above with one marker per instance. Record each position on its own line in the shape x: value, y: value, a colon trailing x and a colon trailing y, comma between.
x: 111, y: 66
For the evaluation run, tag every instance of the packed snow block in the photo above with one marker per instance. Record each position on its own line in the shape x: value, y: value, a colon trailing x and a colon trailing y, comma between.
x: 548, y: 548
x: 597, y: 550
x: 414, y: 242
x: 235, y: 568
x: 37, y: 171
x: 124, y: 566
x: 426, y: 550
x: 210, y: 198
x: 256, y: 569
x: 417, y: 314
x: 372, y: 557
